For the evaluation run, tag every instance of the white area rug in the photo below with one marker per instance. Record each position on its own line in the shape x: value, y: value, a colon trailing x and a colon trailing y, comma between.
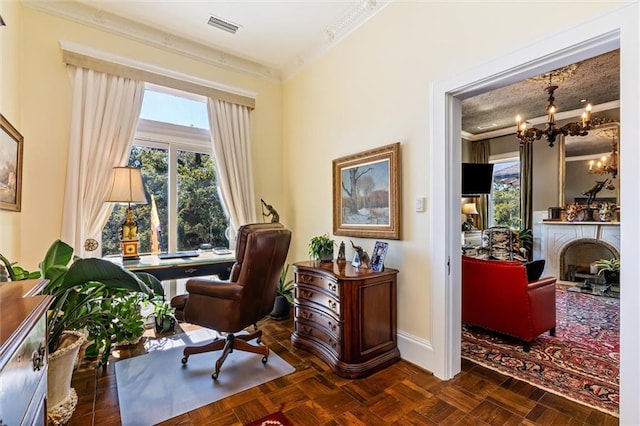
x: 156, y: 386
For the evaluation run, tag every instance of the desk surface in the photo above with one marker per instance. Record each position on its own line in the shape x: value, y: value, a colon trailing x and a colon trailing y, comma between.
x: 153, y: 261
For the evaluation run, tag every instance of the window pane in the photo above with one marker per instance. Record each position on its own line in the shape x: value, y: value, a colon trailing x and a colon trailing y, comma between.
x: 172, y: 109
x: 201, y: 219
x: 505, y: 194
x: 155, y: 165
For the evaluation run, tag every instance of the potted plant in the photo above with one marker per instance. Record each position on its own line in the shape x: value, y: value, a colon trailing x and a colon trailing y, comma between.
x: 610, y: 269
x: 284, y: 296
x: 163, y: 314
x: 321, y: 248
x: 92, y: 298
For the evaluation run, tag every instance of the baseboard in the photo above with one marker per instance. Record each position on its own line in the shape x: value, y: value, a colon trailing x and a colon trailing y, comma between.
x: 416, y: 350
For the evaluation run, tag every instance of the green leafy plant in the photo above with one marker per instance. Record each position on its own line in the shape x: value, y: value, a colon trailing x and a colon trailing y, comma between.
x: 17, y: 273
x: 285, y: 287
x: 526, y: 240
x: 94, y: 295
x: 163, y: 315
x: 321, y: 247
x: 612, y: 265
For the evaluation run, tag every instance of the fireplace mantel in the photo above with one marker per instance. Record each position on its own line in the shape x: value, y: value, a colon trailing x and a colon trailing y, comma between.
x: 556, y: 235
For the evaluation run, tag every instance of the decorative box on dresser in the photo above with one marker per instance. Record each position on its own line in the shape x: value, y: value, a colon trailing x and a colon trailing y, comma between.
x: 346, y: 316
x: 23, y: 353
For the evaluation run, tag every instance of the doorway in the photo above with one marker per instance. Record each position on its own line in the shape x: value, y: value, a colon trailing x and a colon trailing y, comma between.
x: 618, y: 29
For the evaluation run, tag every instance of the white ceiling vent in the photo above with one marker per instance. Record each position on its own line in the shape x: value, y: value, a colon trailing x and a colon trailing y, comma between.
x: 223, y: 24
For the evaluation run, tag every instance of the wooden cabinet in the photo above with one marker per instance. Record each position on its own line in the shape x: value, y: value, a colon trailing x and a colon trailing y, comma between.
x: 346, y: 316
x: 23, y: 353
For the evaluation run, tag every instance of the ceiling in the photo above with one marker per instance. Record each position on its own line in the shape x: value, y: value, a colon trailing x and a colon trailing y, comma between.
x: 276, y: 39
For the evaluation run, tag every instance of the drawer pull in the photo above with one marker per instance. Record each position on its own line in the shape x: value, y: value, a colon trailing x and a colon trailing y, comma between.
x: 37, y: 358
x: 332, y: 326
x: 307, y: 279
x: 332, y: 343
x: 332, y: 304
x: 307, y: 315
x: 307, y: 294
x: 190, y: 270
x: 333, y: 287
x: 306, y: 330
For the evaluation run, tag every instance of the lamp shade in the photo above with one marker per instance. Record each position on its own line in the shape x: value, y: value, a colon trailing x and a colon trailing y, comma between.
x: 469, y: 208
x: 126, y: 186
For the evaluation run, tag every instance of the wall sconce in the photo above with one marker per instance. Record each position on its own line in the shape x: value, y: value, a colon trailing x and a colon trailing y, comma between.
x: 126, y: 187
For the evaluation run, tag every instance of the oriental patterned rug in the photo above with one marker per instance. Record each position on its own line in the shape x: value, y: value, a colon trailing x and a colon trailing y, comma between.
x: 580, y: 363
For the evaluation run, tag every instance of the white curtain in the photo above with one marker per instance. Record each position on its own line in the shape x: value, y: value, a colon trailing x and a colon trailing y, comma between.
x: 104, y: 117
x: 231, y: 138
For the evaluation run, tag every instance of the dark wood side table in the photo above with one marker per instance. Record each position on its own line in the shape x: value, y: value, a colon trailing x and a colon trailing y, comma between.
x: 346, y: 316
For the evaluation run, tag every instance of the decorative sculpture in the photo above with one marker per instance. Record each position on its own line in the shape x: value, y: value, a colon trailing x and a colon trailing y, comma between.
x: 591, y: 193
x: 361, y: 258
x: 275, y: 217
x: 341, y: 255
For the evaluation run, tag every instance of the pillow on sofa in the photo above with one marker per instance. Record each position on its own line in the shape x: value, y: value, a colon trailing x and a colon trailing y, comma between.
x: 534, y: 269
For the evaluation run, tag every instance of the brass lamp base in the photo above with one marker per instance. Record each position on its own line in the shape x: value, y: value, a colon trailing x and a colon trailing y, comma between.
x: 130, y: 250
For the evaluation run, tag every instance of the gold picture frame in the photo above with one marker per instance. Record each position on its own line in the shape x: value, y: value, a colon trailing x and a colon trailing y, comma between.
x: 10, y: 166
x: 367, y: 194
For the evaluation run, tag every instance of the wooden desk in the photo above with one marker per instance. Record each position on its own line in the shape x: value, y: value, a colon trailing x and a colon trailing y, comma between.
x: 206, y: 263
x: 346, y: 316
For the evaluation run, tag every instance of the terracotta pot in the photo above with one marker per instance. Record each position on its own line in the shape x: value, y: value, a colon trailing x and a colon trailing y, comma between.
x: 61, y: 364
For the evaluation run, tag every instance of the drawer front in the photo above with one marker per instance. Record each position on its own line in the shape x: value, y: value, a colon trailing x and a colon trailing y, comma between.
x: 21, y: 376
x: 319, y: 335
x: 321, y: 319
x: 319, y: 281
x: 306, y: 294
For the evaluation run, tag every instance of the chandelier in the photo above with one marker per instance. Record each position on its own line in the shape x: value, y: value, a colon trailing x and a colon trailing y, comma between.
x: 607, y: 165
x: 529, y: 134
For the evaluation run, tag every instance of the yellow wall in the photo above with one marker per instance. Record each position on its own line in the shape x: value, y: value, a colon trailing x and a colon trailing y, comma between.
x: 373, y: 89
x: 10, y: 101
x: 45, y: 95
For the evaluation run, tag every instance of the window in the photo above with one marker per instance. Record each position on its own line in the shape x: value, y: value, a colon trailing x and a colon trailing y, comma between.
x: 172, y: 147
x: 504, y: 202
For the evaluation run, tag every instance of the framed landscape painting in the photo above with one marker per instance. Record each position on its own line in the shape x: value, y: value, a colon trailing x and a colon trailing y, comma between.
x: 10, y: 166
x: 366, y: 194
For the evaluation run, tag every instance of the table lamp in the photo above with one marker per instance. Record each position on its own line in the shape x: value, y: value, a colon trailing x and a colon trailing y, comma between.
x: 469, y: 209
x: 126, y: 187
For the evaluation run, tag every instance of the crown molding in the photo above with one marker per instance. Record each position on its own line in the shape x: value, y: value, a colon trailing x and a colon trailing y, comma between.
x: 81, y: 13
x: 86, y: 15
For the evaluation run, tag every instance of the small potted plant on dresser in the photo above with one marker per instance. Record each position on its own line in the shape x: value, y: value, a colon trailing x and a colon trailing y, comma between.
x: 284, y: 297
x: 321, y: 248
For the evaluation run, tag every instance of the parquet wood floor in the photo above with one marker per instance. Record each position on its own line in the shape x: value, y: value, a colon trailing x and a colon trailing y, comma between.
x: 402, y: 394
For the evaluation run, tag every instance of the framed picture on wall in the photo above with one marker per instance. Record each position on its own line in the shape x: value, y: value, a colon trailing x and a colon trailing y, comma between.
x: 10, y: 166
x: 366, y: 194
x: 377, y: 256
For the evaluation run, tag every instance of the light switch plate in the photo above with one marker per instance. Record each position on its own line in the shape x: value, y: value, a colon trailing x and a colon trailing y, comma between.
x: 419, y: 204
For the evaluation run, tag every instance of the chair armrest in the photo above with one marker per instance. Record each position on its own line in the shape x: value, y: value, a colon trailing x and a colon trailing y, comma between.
x: 541, y: 283
x: 213, y: 288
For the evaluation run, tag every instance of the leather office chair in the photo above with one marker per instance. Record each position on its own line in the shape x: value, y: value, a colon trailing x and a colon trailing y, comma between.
x: 247, y: 297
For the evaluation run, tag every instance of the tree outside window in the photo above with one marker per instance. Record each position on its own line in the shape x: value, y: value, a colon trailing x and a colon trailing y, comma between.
x: 505, y: 195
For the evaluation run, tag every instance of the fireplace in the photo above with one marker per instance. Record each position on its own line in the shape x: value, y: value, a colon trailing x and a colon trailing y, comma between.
x: 570, y: 247
x: 577, y: 257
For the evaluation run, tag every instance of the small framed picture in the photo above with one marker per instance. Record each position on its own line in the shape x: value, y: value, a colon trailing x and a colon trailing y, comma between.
x: 377, y: 257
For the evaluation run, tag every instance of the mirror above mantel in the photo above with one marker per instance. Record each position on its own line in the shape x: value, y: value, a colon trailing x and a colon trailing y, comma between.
x: 579, y: 154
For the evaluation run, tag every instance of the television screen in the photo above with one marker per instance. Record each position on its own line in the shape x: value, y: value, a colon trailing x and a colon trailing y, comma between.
x: 476, y: 179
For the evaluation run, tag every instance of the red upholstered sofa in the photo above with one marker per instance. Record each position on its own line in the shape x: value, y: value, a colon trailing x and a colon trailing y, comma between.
x: 496, y: 296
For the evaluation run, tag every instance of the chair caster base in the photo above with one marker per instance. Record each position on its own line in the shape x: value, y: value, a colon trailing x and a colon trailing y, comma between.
x: 184, y: 359
x: 214, y: 375
x: 265, y: 359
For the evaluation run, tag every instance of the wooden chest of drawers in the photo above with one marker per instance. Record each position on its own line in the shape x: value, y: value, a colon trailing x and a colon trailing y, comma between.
x: 346, y: 316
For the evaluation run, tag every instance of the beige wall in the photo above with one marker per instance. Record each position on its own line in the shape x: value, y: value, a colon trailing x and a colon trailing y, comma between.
x: 44, y: 94
x: 374, y: 89
x: 10, y: 101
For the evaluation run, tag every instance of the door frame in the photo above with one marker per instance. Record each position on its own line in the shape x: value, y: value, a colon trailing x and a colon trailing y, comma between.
x: 616, y: 28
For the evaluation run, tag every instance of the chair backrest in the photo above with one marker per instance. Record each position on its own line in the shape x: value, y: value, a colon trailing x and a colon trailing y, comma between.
x: 261, y: 253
